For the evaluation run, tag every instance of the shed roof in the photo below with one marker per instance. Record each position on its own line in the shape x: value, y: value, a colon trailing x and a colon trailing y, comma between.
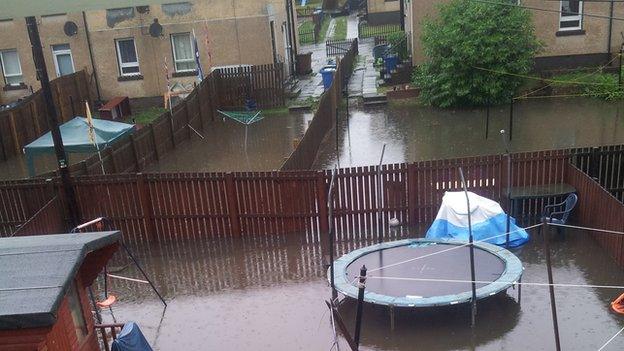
x: 35, y: 273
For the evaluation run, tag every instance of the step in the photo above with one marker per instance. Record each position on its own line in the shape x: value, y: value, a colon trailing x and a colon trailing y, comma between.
x: 375, y: 103
x: 374, y: 98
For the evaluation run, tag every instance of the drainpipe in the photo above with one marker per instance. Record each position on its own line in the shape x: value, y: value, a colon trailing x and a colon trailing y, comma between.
x: 610, y: 28
x: 402, y: 13
x: 290, y: 34
x: 95, y: 76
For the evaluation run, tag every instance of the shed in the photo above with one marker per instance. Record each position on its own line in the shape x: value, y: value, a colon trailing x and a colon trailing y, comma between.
x: 75, y: 134
x: 44, y: 303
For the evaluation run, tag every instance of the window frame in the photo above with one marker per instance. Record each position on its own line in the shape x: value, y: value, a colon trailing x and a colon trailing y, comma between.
x: 175, y: 59
x: 19, y: 65
x: 56, y: 53
x: 123, y: 65
x: 578, y: 17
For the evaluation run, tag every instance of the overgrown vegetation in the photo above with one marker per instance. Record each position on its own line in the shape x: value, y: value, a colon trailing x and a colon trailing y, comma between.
x: 398, y: 43
x: 599, y: 85
x: 146, y: 116
x: 324, y: 28
x: 340, y: 31
x: 476, y: 54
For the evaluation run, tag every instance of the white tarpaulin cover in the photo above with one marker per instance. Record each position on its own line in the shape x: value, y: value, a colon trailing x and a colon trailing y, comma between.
x: 488, y: 221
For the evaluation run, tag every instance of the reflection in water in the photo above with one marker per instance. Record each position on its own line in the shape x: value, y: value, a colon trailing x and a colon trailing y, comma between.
x: 17, y: 167
x: 228, y: 147
x: 268, y: 292
x: 415, y: 133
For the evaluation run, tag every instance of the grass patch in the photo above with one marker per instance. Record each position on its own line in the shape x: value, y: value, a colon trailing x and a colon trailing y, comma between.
x: 146, y: 116
x: 367, y: 31
x: 275, y: 111
x: 599, y: 85
x: 324, y: 28
x: 340, y: 31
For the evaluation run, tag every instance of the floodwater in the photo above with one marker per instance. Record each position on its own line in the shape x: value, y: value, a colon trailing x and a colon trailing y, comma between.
x: 230, y: 146
x: 17, y: 167
x: 268, y: 293
x: 414, y: 133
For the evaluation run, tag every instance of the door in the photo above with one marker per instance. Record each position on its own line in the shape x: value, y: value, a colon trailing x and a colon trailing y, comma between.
x: 63, y: 60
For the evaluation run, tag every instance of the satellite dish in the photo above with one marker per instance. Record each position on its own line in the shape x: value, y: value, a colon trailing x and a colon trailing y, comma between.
x: 143, y: 9
x: 70, y: 28
x: 155, y: 29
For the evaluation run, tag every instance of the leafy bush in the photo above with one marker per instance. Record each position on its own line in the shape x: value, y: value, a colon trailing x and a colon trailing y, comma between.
x: 398, y: 42
x: 467, y: 35
x: 599, y: 85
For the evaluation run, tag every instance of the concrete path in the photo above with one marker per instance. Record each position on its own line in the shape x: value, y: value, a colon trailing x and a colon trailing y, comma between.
x: 352, y: 26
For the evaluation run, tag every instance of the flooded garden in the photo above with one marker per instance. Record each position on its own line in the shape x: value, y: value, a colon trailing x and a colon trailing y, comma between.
x: 269, y: 292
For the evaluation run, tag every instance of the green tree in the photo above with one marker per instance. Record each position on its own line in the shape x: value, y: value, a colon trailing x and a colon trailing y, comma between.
x: 466, y: 45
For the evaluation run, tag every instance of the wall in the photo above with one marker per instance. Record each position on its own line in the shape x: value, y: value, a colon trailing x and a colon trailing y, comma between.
x: 591, y: 43
x: 383, y: 12
x: 239, y: 33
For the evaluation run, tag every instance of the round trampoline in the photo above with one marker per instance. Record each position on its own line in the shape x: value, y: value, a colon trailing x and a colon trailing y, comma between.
x: 417, y: 273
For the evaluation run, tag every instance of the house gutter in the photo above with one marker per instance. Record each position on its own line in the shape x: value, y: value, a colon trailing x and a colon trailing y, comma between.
x: 610, y: 28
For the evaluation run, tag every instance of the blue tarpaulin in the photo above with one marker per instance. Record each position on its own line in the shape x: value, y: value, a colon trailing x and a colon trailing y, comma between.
x: 75, y: 134
x: 489, y: 221
x: 131, y: 339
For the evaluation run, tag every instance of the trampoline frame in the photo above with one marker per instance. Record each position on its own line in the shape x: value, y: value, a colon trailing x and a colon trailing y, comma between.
x: 512, y: 273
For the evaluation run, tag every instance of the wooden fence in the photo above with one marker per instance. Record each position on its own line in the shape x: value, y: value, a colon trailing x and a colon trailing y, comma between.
x: 27, y: 121
x: 149, y: 143
x: 325, y: 116
x: 49, y: 219
x: 163, y: 207
x: 597, y: 208
x: 263, y: 83
x: 604, y: 164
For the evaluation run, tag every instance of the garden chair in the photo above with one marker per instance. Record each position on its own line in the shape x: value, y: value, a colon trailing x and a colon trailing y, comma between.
x: 559, y: 213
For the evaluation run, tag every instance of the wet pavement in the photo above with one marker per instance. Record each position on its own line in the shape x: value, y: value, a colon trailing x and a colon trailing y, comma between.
x: 230, y: 146
x: 268, y: 293
x: 415, y: 133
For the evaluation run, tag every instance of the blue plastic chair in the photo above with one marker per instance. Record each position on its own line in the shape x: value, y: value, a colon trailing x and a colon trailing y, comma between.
x: 560, y: 213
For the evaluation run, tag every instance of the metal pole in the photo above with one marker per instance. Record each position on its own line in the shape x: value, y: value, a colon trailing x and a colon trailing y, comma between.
x: 330, y: 233
x: 136, y: 263
x: 620, y: 68
x: 511, y: 116
x: 90, y: 47
x: 551, y: 288
x: 379, y: 202
x: 61, y: 157
x: 487, y: 121
x: 360, y: 304
x: 508, y: 192
x: 473, y: 302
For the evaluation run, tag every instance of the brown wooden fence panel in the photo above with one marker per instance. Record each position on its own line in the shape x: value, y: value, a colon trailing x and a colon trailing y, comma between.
x: 49, y: 219
x: 263, y: 83
x: 20, y: 200
x: 597, y: 208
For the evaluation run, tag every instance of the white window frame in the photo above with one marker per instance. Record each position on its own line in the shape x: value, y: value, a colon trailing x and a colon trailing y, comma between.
x: 175, y: 59
x: 19, y: 64
x: 123, y: 65
x: 56, y: 53
x: 578, y: 18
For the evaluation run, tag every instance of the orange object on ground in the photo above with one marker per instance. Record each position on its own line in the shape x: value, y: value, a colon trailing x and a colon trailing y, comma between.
x: 618, y: 304
x: 108, y: 302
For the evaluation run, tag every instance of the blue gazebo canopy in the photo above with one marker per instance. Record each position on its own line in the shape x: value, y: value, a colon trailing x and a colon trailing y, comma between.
x: 75, y: 134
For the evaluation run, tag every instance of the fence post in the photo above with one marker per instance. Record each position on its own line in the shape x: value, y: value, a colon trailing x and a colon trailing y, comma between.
x: 594, y: 163
x: 137, y: 160
x: 321, y: 190
x: 146, y: 206
x: 33, y: 114
x: 151, y: 127
x: 230, y: 195
x: 16, y: 141
x: 172, y: 130
x: 111, y: 153
x: 411, y: 193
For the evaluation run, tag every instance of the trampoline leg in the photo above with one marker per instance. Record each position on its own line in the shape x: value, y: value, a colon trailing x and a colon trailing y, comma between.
x: 519, y: 290
x: 391, y: 308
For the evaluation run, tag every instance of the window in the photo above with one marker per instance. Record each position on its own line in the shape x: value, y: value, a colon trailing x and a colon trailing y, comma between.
x: 11, y: 68
x: 127, y: 57
x: 77, y: 313
x: 183, y: 52
x: 63, y: 60
x: 571, y: 17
